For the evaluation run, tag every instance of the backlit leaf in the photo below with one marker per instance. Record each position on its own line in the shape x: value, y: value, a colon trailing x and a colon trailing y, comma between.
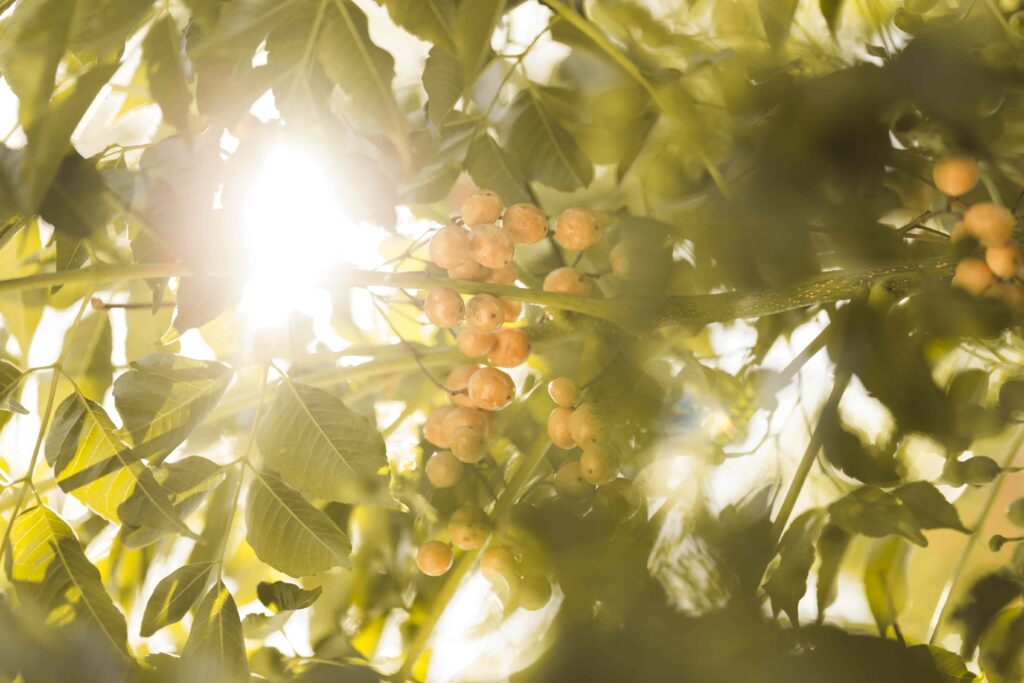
x: 87, y: 360
x: 428, y: 19
x: 165, y: 72
x: 788, y: 582
x: 542, y: 146
x: 353, y: 61
x: 282, y: 596
x: 174, y: 596
x: 885, y: 580
x: 492, y: 168
x: 442, y: 79
x: 215, y: 650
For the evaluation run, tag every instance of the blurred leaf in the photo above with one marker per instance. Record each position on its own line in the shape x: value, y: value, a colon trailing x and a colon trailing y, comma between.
x: 442, y: 79
x: 353, y: 61
x: 873, y: 512
x: 32, y: 44
x: 71, y: 254
x: 87, y: 355
x: 10, y: 380
x: 832, y: 545
x: 164, y: 397
x: 474, y: 26
x: 215, y: 650
x: 854, y: 458
x: 930, y: 507
x: 288, y: 533
x: 777, y: 17
x: 431, y: 20
x: 75, y: 204
x: 174, y: 596
x: 988, y: 595
x: 187, y: 482
x: 165, y: 72
x: 200, y: 300
x: 242, y: 24
x: 490, y: 167
x: 949, y: 664
x: 318, y: 445
x: 262, y: 625
x: 282, y: 596
x: 540, y: 144
x: 48, y: 568
x: 831, y: 10
x: 1002, y: 647
x: 885, y: 581
x: 788, y: 582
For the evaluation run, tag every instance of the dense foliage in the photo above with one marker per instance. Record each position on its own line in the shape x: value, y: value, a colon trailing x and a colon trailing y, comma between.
x: 688, y: 347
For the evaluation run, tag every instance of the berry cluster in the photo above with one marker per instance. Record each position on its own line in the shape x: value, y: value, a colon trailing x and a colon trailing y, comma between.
x: 993, y: 272
x: 572, y: 424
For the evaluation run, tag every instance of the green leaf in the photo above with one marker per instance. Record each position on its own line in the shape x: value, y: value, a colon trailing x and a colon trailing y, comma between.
x: 282, y: 596
x: 174, y: 596
x: 950, y: 666
x: 831, y: 10
x: 1002, y: 647
x: 91, y: 462
x: 201, y: 300
x: 930, y: 507
x: 215, y: 650
x: 164, y: 397
x: 49, y: 568
x: 442, y: 79
x: 491, y: 168
x: 187, y: 482
x: 318, y: 445
x: 351, y: 60
x: 852, y: 456
x: 288, y: 533
x: 10, y: 380
x: 777, y: 18
x: 101, y: 27
x: 87, y: 355
x: 474, y: 26
x: 75, y: 204
x: 71, y: 254
x: 543, y: 147
x: 989, y: 594
x: 431, y: 20
x: 832, y: 545
x: 165, y: 71
x: 904, y: 512
x: 885, y: 580
x: 788, y: 582
x: 243, y: 24
x: 32, y: 44
x: 262, y: 625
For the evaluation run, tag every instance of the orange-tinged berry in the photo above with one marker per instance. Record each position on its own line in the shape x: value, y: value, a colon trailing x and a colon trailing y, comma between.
x: 564, y: 391
x: 558, y: 428
x: 490, y: 246
x: 468, y: 444
x: 1004, y: 261
x: 434, y: 558
x: 569, y: 481
x: 973, y: 275
x: 443, y: 469
x: 511, y: 348
x: 576, y: 229
x: 491, y: 389
x: 484, y: 313
x: 505, y: 275
x: 474, y: 343
x: 449, y: 247
x: 461, y: 416
x: 566, y: 280
x: 955, y: 176
x: 444, y: 307
x: 469, y: 270
x: 990, y: 223
x: 586, y: 426
x: 498, y: 565
x: 483, y: 207
x: 433, y: 428
x: 598, y: 464
x: 457, y: 381
x: 468, y: 528
x: 534, y: 593
x: 513, y: 310
x: 525, y: 223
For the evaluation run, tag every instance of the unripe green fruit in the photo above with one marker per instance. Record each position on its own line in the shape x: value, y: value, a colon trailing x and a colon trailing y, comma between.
x: 468, y: 444
x: 955, y: 176
x: 576, y: 229
x: 469, y: 270
x: 457, y: 381
x: 980, y: 470
x: 474, y: 343
x: 434, y: 558
x: 491, y: 247
x: 990, y: 223
x: 491, y: 389
x: 534, y: 593
x: 586, y: 425
x: 484, y: 313
x: 498, y: 565
x: 468, y: 528
x: 443, y: 469
x: 598, y: 464
x: 511, y: 348
x: 444, y: 307
x: 525, y: 223
x: 1003, y: 260
x: 973, y: 275
x: 449, y: 247
x: 566, y: 280
x: 433, y: 428
x: 569, y: 481
x: 564, y: 391
x: 558, y: 428
x: 483, y: 207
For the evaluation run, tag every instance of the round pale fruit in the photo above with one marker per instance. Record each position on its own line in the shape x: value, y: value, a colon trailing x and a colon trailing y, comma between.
x: 457, y: 383
x: 955, y: 176
x: 503, y: 276
x: 973, y: 275
x: 576, y: 229
x: 433, y: 428
x: 469, y: 270
x: 449, y: 247
x: 444, y: 307
x: 1010, y: 293
x: 483, y: 207
x: 990, y: 223
x: 525, y: 223
x: 461, y: 416
x: 511, y: 348
x: 1004, y: 261
x: 498, y: 565
x: 468, y: 444
x: 566, y: 280
x: 586, y: 426
x: 513, y: 310
x: 558, y: 428
x: 484, y: 313
x: 443, y: 469
x: 434, y: 558
x: 491, y: 389
x: 534, y: 593
x: 474, y: 343
x: 564, y: 391
x: 468, y: 528
x: 598, y: 464
x: 490, y: 246
x: 958, y: 232
x: 569, y: 481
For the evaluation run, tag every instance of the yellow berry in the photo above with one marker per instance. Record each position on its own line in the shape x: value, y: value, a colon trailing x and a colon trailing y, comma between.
x: 566, y: 280
x: 444, y: 307
x: 990, y: 223
x: 525, y: 223
x: 564, y: 391
x: 513, y: 310
x: 433, y: 428
x: 483, y: 207
x: 484, y: 313
x: 443, y: 469
x: 461, y: 416
x: 558, y: 428
x: 498, y: 565
x: 490, y: 246
x: 449, y: 247
x: 955, y: 176
x: 534, y: 593
x: 586, y: 426
x: 468, y: 444
x: 958, y: 232
x: 469, y: 270
x: 569, y: 481
x: 598, y: 464
x: 576, y: 229
x: 457, y: 381
x: 474, y: 343
x: 468, y: 528
x: 973, y: 275
x: 1004, y: 261
x: 434, y: 558
x: 511, y: 348
x: 491, y: 389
